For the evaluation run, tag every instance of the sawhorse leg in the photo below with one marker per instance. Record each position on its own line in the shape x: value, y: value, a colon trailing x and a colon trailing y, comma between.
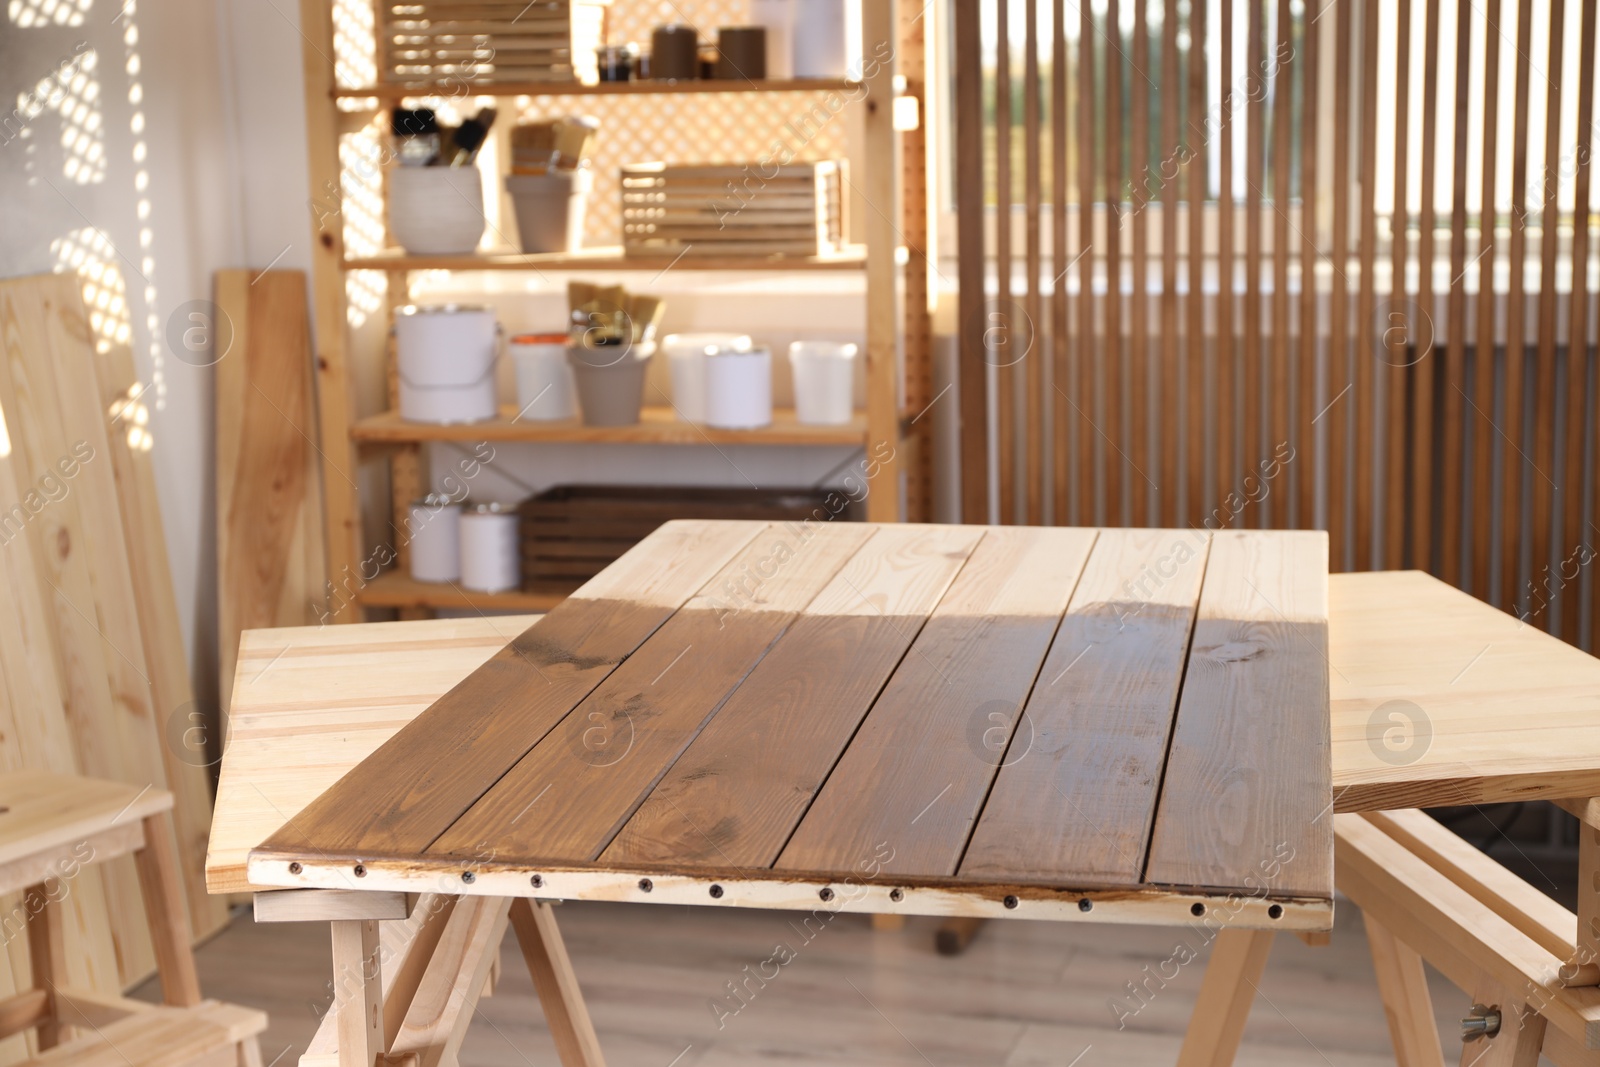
x: 1217, y: 1025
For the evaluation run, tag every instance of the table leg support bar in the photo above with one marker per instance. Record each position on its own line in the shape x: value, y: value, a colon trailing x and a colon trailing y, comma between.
x: 557, y: 985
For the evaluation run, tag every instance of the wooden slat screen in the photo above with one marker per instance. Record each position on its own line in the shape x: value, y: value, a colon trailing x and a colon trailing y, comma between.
x: 1248, y: 280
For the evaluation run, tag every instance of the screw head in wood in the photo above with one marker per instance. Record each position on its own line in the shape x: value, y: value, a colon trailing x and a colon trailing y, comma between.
x: 716, y: 892
x: 361, y: 870
x: 645, y: 885
x: 1010, y: 901
x: 536, y: 881
x: 1085, y: 904
x: 826, y: 893
x: 294, y: 868
x: 468, y: 877
x: 1275, y: 912
x: 1197, y: 909
x: 897, y: 894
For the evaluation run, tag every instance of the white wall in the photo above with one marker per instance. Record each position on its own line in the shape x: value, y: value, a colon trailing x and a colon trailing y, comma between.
x: 145, y: 185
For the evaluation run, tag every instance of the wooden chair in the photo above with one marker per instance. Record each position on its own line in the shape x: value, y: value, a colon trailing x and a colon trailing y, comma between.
x: 51, y: 827
x: 1425, y: 894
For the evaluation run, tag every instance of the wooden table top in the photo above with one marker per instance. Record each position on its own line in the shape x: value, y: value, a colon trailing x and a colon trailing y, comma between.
x: 786, y: 716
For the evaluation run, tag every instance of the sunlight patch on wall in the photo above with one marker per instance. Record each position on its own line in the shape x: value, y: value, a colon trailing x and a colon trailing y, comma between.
x: 28, y: 13
x: 361, y: 160
x: 89, y: 253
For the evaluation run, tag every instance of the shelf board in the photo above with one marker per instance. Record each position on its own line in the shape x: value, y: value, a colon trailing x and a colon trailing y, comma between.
x: 395, y: 589
x: 394, y: 93
x: 657, y: 425
x: 605, y: 258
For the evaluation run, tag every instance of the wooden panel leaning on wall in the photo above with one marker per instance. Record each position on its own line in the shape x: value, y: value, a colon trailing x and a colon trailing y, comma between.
x: 92, y: 660
x: 270, y: 551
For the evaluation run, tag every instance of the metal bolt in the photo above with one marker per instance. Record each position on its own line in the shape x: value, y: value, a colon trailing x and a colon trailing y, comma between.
x: 716, y: 892
x: 645, y: 885
x: 825, y: 893
x: 537, y: 880
x: 294, y: 868
x: 361, y: 870
x: 468, y: 877
x: 1481, y: 1022
x: 1275, y: 912
x: 897, y: 895
x: 1085, y: 904
x: 1197, y: 909
x: 1010, y: 901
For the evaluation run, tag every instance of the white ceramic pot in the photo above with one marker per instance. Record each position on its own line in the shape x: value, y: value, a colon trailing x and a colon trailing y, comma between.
x: 436, y: 211
x: 445, y: 357
x: 686, y: 358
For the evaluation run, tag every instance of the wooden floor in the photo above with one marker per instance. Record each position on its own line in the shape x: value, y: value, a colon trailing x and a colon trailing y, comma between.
x: 1026, y: 994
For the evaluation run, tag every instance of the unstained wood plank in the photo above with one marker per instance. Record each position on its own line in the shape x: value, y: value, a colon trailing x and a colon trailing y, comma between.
x: 407, y: 793
x: 567, y: 798
x: 907, y: 790
x: 1252, y: 727
x: 1076, y: 795
x: 737, y: 792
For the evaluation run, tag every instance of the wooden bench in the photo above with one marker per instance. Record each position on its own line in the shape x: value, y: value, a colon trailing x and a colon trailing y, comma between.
x: 1426, y: 894
x: 52, y: 826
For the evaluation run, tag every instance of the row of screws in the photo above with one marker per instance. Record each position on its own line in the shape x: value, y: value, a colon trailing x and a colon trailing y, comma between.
x: 896, y: 894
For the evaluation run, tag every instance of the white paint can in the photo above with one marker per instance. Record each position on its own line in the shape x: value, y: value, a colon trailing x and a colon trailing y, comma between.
x: 739, y: 389
x: 435, y: 539
x: 686, y: 358
x: 491, y: 560
x: 445, y: 356
x: 544, y: 381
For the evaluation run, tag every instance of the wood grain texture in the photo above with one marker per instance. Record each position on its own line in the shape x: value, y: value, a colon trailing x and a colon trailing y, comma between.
x: 271, y: 561
x: 188, y: 773
x: 566, y: 799
x: 915, y: 781
x: 427, y: 775
x: 738, y: 791
x: 80, y: 560
x: 1247, y: 745
x: 1403, y: 984
x: 1076, y: 791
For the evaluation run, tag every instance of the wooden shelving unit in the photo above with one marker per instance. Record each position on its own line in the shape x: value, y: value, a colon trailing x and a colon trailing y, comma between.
x: 395, y: 93
x: 893, y: 260
x: 606, y: 259
x: 657, y: 425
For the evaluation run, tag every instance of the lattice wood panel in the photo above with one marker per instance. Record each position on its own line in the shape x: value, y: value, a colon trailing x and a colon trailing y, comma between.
x: 697, y: 128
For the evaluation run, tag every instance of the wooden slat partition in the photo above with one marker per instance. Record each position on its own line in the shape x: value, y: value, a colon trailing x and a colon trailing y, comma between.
x: 1359, y: 296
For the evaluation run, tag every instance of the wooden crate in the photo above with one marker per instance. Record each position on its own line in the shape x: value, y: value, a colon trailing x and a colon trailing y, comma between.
x: 575, y: 531
x: 487, y: 42
x: 734, y: 209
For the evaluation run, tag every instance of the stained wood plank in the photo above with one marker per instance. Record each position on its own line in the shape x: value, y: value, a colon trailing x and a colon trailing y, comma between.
x: 1076, y: 795
x: 738, y: 791
x: 1303, y: 474
x: 1485, y: 440
x: 1087, y: 458
x: 567, y: 798
x: 1061, y: 459
x: 915, y: 780
x: 1012, y: 327
x: 1200, y: 358
x: 1420, y: 552
x: 429, y: 773
x: 270, y: 555
x: 1579, y: 386
x: 1251, y: 730
x: 1402, y: 325
x: 1508, y: 416
x: 971, y: 370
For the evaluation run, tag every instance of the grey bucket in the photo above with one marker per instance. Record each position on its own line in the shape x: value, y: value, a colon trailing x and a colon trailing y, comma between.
x: 550, y: 209
x: 610, y: 382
